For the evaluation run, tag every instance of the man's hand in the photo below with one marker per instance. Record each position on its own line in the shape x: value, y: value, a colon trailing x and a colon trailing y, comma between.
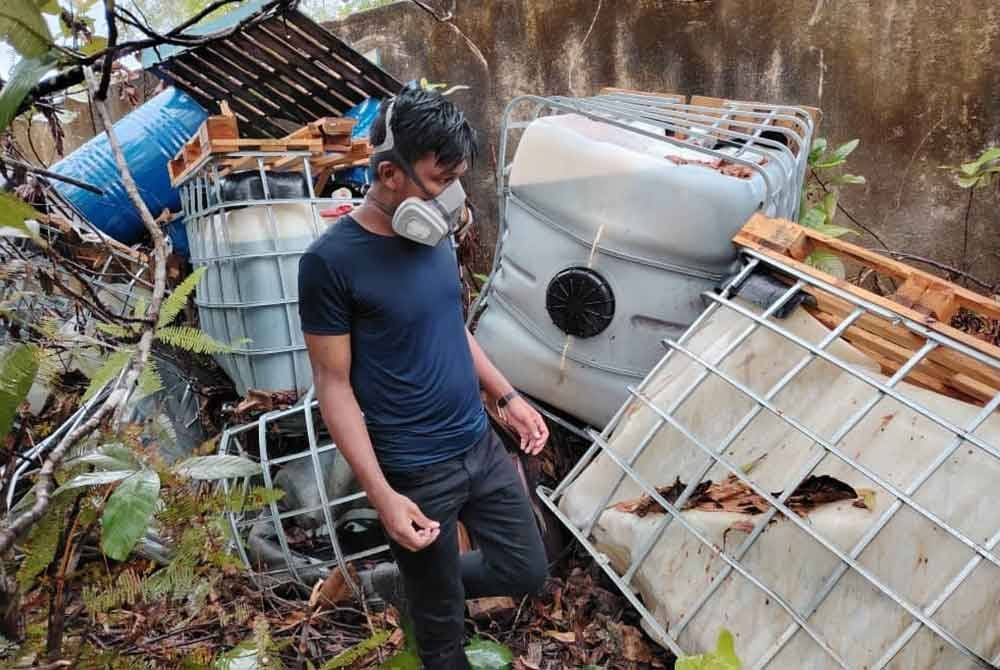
x: 405, y: 523
x: 528, y: 423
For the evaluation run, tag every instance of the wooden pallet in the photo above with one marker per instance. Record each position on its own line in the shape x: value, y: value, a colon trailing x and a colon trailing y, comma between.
x: 920, y: 297
x: 220, y: 135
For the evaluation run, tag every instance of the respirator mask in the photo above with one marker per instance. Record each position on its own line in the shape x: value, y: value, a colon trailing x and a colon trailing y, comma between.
x: 424, y: 221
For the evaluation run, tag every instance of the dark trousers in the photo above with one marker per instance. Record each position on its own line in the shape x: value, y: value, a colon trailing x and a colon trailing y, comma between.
x: 482, y: 489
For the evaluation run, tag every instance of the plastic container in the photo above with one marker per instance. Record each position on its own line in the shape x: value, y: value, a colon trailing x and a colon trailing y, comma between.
x: 250, y: 291
x: 604, y: 202
x: 150, y: 136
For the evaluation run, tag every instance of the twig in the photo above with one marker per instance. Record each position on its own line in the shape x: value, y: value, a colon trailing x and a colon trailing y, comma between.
x: 159, y: 246
x: 448, y: 19
x: 848, y: 214
x: 109, y: 59
x: 122, y: 388
x: 947, y: 268
x: 51, y: 175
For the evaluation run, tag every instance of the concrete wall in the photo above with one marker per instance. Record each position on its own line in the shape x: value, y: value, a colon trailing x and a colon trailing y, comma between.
x: 918, y: 81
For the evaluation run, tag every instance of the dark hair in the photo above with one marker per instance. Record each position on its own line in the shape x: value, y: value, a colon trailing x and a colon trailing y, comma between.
x: 423, y: 122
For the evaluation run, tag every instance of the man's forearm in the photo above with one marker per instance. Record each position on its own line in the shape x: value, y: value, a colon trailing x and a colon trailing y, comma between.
x: 343, y: 419
x: 491, y: 379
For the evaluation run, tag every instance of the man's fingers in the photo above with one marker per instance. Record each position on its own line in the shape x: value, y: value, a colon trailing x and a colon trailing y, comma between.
x: 418, y: 518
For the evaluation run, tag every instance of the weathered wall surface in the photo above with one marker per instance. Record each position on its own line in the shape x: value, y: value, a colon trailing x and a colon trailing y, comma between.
x: 918, y: 81
x: 79, y: 124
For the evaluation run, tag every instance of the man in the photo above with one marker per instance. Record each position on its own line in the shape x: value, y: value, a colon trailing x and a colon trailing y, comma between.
x: 382, y: 318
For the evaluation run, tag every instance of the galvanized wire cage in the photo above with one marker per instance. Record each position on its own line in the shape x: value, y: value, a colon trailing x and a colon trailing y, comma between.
x: 903, y: 576
x: 300, y: 538
x: 251, y: 244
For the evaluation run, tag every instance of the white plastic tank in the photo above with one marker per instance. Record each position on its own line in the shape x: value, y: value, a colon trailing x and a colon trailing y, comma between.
x: 249, y: 296
x: 607, y: 245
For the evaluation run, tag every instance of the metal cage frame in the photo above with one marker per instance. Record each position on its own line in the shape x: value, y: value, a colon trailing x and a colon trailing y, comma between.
x: 921, y: 615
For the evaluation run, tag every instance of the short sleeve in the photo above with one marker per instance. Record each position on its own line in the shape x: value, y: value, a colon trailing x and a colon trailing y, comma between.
x: 324, y: 298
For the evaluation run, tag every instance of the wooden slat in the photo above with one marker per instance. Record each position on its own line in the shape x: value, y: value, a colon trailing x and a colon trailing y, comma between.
x: 921, y: 297
x: 253, y: 116
x: 247, y: 83
x: 386, y: 85
x: 899, y: 335
x: 268, y: 78
x: 226, y: 87
x: 897, y: 355
x: 761, y: 229
x: 305, y: 64
x: 243, y: 44
x: 352, y: 79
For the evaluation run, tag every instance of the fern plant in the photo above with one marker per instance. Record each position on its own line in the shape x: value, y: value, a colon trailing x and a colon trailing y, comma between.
x: 17, y: 372
x: 182, y: 337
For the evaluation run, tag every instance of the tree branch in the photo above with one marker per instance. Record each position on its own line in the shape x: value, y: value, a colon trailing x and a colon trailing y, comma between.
x: 109, y: 60
x: 123, y: 387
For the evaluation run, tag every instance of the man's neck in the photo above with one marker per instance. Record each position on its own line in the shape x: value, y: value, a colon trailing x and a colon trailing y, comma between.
x: 374, y: 215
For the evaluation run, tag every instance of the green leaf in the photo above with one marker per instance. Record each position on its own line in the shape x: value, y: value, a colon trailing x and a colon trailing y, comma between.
x: 827, y: 262
x: 830, y: 206
x: 217, y: 467
x: 191, y: 339
x: 108, y: 371
x: 488, y: 655
x: 14, y: 211
x: 42, y: 543
x: 844, y: 150
x: 833, y: 231
x: 404, y: 660
x: 814, y: 217
x: 817, y: 149
x: 128, y: 512
x: 173, y: 305
x: 847, y: 179
x: 347, y: 658
x: 723, y: 658
x: 111, y: 456
x: 149, y: 380
x: 114, y: 330
x: 28, y: 72
x: 93, y: 45
x: 23, y: 27
x: 987, y: 156
x: 49, y: 7
x: 95, y: 479
x: 18, y: 369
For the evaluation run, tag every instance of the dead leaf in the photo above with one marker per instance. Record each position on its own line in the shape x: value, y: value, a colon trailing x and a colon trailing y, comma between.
x: 332, y: 590
x: 634, y: 647
x: 568, y: 637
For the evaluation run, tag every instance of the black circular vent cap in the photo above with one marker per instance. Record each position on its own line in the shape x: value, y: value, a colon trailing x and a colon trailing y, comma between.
x: 580, y: 302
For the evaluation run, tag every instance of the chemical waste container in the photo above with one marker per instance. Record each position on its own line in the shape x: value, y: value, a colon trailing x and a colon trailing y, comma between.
x: 610, y: 230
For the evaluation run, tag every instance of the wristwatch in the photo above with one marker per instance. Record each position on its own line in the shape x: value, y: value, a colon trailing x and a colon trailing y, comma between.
x: 505, y: 400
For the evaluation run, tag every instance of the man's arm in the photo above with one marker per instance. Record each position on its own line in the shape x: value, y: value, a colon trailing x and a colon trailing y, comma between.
x: 330, y: 356
x: 528, y: 423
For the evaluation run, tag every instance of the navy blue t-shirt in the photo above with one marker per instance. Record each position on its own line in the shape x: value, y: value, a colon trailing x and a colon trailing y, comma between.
x: 411, y: 367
